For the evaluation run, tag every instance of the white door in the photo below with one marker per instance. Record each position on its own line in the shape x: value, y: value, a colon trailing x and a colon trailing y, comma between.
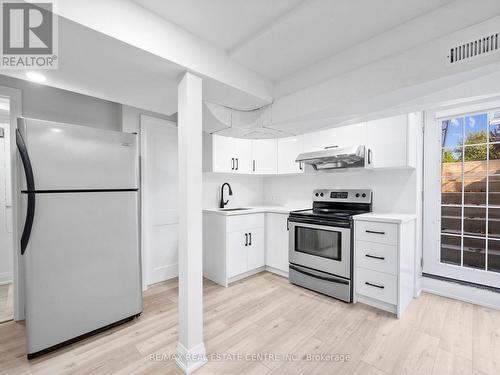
x: 159, y: 199
x: 237, y: 245
x: 6, y: 252
x: 242, y: 151
x: 265, y: 156
x: 255, y: 250
x: 288, y: 150
x: 277, y: 241
x: 461, y: 238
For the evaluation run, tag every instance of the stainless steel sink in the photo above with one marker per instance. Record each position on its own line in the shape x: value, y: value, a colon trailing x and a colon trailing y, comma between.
x: 233, y: 209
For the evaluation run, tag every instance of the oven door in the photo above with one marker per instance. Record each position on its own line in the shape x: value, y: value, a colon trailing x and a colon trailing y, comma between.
x: 320, y: 247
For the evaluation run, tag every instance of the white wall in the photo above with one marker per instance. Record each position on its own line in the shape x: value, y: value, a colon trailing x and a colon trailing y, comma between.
x: 247, y: 190
x: 6, y: 254
x: 393, y: 190
x: 52, y: 104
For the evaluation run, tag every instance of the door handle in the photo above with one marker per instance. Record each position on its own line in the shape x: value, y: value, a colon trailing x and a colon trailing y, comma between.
x: 237, y: 163
x: 246, y: 239
x: 300, y: 166
x: 30, y: 185
x: 254, y: 165
x: 250, y: 239
x: 374, y: 232
x: 232, y: 164
x: 375, y: 285
x: 369, y: 156
x: 374, y: 257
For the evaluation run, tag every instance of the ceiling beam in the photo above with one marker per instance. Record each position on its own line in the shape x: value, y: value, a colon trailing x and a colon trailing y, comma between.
x: 130, y: 23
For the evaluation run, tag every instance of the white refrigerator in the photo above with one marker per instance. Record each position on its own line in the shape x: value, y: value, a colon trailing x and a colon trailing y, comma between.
x: 79, y: 219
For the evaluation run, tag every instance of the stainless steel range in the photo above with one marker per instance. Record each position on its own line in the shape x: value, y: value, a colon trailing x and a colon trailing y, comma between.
x: 321, y: 241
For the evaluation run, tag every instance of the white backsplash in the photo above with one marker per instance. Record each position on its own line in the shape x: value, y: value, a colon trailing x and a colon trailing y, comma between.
x: 393, y: 190
x: 247, y: 190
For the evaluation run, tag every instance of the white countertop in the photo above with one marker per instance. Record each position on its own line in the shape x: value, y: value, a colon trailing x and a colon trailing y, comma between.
x: 256, y: 210
x: 386, y: 217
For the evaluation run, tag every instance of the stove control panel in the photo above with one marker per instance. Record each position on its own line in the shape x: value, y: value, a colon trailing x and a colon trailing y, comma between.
x: 347, y: 195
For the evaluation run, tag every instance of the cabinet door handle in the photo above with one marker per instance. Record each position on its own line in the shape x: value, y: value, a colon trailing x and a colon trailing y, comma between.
x: 374, y: 257
x: 232, y: 164
x: 369, y: 156
x: 301, y: 167
x: 328, y: 147
x: 375, y: 285
x: 250, y: 239
x: 246, y: 239
x: 237, y: 163
x: 254, y: 165
x: 375, y: 232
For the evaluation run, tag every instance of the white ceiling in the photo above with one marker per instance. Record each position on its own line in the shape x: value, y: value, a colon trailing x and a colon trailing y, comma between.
x: 280, y: 37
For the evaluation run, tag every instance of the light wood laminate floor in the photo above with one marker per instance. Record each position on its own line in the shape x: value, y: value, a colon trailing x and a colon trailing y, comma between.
x: 265, y: 314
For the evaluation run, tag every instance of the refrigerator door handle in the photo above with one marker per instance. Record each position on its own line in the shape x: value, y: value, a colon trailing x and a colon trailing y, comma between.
x: 30, y: 185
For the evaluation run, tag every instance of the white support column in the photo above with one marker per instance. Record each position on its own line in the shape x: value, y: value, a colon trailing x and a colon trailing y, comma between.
x: 190, y: 348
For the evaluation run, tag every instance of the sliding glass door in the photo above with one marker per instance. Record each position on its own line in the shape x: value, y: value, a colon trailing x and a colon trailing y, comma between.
x: 462, y: 198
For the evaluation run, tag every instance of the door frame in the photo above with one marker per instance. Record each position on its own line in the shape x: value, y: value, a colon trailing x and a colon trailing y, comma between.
x: 143, y: 208
x: 432, y: 267
x: 15, y: 111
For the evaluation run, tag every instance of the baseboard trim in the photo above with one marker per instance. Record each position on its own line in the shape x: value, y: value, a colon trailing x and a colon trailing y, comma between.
x: 192, y: 359
x: 163, y: 273
x: 277, y: 271
x: 245, y: 274
x: 5, y: 278
x: 461, y: 292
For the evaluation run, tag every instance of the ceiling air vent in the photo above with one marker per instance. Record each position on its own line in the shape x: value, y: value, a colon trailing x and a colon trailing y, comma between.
x: 478, y: 47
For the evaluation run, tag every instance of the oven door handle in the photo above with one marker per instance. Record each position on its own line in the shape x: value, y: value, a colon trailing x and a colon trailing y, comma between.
x: 331, y: 279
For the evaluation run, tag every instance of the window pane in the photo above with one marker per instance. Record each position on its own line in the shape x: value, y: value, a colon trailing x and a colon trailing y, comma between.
x: 495, y: 133
x: 474, y: 252
x: 494, y: 222
x: 494, y: 256
x: 450, y: 249
x: 494, y: 191
x: 451, y: 191
x: 452, y: 131
x: 494, y: 163
x: 476, y: 129
x: 451, y: 220
x: 474, y: 221
x: 475, y: 190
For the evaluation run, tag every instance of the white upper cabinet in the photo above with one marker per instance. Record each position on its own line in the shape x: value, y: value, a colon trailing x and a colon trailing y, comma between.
x: 391, y: 142
x: 231, y: 155
x: 242, y: 151
x: 288, y: 150
x: 265, y: 156
x: 223, y: 158
x: 350, y: 135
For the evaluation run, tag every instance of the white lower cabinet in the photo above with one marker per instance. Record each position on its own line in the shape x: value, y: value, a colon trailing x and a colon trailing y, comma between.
x: 233, y: 246
x: 237, y: 246
x: 277, y: 243
x: 384, y: 256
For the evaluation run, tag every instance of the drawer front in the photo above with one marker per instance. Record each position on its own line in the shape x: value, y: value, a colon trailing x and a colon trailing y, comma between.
x: 377, y: 285
x: 377, y: 256
x: 244, y: 222
x: 374, y: 231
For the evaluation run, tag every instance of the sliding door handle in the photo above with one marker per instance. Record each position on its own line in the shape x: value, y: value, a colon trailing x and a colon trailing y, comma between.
x: 30, y: 189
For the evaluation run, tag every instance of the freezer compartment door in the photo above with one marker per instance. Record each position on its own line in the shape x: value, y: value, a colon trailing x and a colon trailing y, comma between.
x: 82, y: 265
x: 69, y: 157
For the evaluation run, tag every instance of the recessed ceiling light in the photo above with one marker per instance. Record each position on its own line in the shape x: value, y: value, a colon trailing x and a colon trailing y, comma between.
x: 36, y: 77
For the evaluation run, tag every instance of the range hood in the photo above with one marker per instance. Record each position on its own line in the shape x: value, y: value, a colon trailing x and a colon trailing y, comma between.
x: 334, y: 158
